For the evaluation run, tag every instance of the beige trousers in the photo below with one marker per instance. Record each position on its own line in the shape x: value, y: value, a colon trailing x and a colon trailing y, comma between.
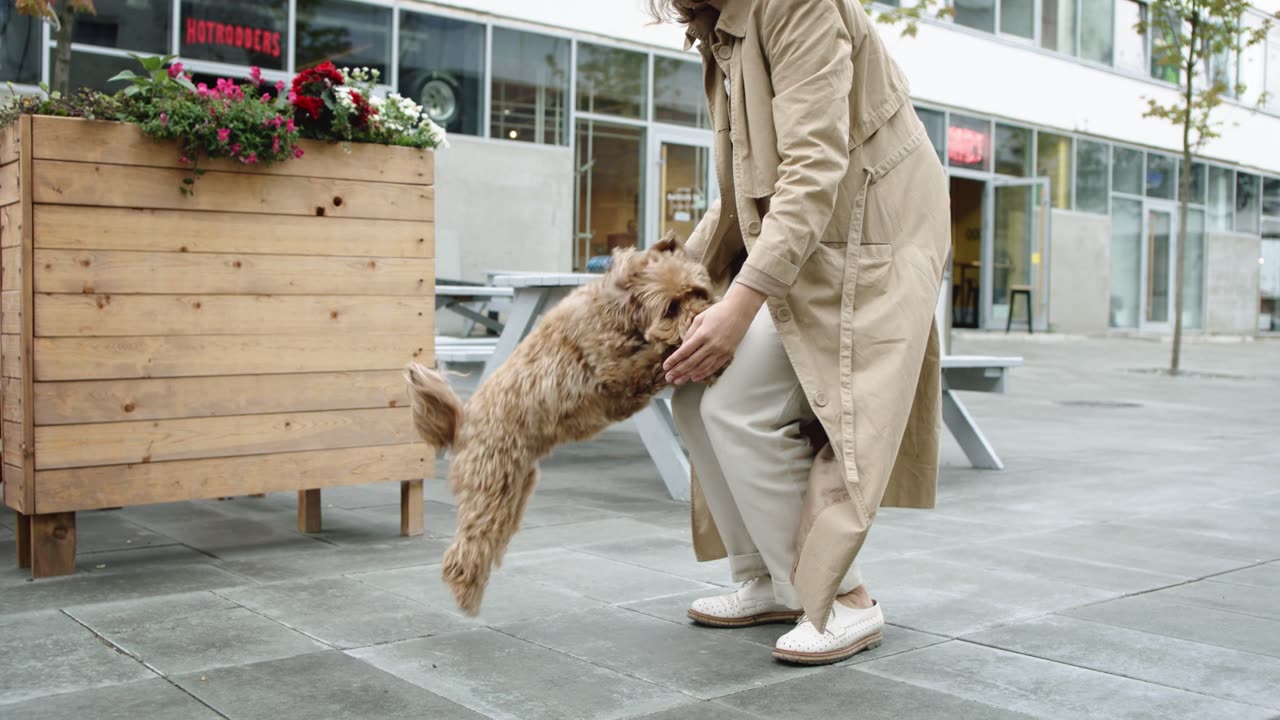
x: 744, y: 440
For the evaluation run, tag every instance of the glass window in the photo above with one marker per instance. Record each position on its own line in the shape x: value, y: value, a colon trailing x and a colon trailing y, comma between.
x: 1165, y: 63
x: 1162, y: 176
x: 1253, y: 61
x: 1126, y: 175
x: 1248, y: 203
x: 1273, y: 69
x: 969, y: 142
x: 530, y: 86
x: 1193, y: 272
x: 678, y: 95
x: 1271, y: 197
x: 442, y: 68
x: 237, y: 32
x: 1053, y: 160
x: 1058, y: 25
x: 93, y: 71
x: 1126, y: 262
x: 935, y: 124
x: 1013, y: 150
x: 977, y: 14
x: 348, y: 34
x: 1097, y: 30
x: 19, y: 47
x: 1131, y: 46
x: 1018, y: 17
x: 608, y: 189
x: 1221, y: 203
x: 612, y: 81
x: 142, y: 25
x: 1092, y: 170
x: 1198, y: 181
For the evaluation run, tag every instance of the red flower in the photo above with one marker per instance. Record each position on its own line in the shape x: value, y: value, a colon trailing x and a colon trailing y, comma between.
x: 308, y: 107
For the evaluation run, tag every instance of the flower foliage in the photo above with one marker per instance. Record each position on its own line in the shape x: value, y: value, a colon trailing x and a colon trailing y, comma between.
x: 341, y: 104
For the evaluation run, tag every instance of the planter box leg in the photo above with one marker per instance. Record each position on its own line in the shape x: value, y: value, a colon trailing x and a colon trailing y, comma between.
x: 309, y: 511
x: 22, y: 537
x: 411, y: 508
x: 53, y: 544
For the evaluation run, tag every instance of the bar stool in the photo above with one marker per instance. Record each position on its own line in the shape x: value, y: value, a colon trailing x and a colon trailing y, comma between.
x: 1014, y: 292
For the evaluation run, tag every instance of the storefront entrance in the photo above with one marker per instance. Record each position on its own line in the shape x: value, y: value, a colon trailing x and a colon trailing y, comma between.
x: 681, y: 185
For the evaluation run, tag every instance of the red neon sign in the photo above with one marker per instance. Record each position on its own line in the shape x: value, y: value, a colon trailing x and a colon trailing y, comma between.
x: 966, y: 146
x: 209, y: 32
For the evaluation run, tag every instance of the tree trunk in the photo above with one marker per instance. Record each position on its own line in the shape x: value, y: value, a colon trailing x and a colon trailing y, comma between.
x: 60, y: 74
x: 1184, y: 196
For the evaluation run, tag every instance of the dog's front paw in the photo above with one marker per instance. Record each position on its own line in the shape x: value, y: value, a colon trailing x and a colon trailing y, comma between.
x: 466, y: 575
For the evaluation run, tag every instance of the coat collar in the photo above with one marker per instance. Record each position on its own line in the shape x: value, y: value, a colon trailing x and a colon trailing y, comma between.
x: 731, y: 20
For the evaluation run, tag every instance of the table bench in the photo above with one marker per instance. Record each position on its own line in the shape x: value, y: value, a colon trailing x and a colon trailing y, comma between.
x: 459, y: 299
x: 973, y: 373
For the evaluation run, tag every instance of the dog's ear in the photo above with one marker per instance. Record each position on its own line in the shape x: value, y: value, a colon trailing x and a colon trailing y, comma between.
x: 669, y: 243
x: 667, y: 326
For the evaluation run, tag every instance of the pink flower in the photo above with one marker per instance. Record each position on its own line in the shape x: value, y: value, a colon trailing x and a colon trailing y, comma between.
x: 275, y: 144
x: 175, y: 70
x: 202, y: 90
x: 164, y: 118
x: 184, y: 159
x: 224, y: 134
x: 255, y: 74
x: 266, y: 98
x: 277, y: 121
x: 250, y: 159
x: 235, y: 149
x: 293, y: 97
x: 297, y: 152
x: 280, y: 88
x: 290, y: 126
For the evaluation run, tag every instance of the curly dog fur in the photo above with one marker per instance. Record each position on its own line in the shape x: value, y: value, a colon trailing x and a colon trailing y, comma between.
x: 596, y: 358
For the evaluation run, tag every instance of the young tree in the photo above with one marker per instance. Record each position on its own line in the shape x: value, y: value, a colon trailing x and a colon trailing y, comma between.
x: 63, y: 20
x: 909, y: 14
x: 1192, y: 44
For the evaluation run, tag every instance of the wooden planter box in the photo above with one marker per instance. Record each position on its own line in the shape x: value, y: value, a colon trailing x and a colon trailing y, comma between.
x: 246, y: 339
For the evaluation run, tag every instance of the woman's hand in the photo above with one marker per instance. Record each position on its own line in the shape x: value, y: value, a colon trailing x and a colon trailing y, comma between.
x: 714, y: 336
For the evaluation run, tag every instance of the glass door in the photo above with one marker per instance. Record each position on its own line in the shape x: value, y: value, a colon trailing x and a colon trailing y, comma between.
x: 1159, y: 243
x: 1015, y: 253
x: 681, y: 182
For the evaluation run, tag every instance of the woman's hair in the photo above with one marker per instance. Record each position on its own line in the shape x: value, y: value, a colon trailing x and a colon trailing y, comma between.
x: 681, y: 11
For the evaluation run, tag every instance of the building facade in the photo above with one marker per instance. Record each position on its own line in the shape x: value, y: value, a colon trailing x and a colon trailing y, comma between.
x: 578, y: 126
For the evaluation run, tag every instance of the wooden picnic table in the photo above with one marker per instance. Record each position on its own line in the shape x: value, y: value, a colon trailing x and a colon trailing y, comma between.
x: 459, y: 298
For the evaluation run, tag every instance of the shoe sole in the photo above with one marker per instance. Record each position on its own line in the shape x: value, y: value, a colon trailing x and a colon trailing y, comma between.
x: 749, y: 621
x: 870, y: 642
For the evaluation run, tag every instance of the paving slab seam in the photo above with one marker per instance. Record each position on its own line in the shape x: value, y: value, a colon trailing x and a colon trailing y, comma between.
x: 277, y: 621
x: 107, y: 642
x: 1112, y: 674
x: 621, y: 561
x: 1174, y: 600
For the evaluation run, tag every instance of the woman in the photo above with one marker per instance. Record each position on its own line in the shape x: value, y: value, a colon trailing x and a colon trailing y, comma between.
x: 828, y: 245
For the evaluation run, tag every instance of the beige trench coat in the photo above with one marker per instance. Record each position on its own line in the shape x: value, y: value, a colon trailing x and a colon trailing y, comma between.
x: 836, y: 207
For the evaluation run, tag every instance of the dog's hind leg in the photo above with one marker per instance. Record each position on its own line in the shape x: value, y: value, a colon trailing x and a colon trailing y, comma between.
x: 530, y: 483
x: 488, y: 516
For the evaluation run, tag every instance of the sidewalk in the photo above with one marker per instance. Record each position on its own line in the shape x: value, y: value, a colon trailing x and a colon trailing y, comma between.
x: 1125, y: 565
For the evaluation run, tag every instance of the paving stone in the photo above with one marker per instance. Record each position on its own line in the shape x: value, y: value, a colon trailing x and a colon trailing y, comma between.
x: 1074, y: 544
x: 195, y: 631
x: 1188, y: 622
x: 327, y: 685
x: 704, y: 665
x: 1246, y: 600
x: 1265, y: 576
x: 155, y: 699
x: 510, y: 679
x: 342, y: 612
x: 596, y: 577
x: 607, y: 528
x: 241, y: 537
x: 705, y: 710
x: 847, y: 693
x: 1004, y: 555
x: 1047, y: 689
x: 1206, y: 669
x: 336, y: 561
x: 108, y: 530
x: 673, y: 556
x: 46, y: 653
x: 508, y: 598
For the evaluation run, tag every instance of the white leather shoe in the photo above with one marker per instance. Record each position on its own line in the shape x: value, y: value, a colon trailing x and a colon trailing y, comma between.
x: 848, y: 633
x: 752, y: 604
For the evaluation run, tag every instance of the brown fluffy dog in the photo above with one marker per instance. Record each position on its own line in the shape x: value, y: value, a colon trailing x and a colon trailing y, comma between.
x: 596, y: 358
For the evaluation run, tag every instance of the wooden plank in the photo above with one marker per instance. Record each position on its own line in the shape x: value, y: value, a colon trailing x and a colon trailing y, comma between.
x: 11, y: 226
x: 10, y: 144
x: 99, y: 228
x: 103, y: 271
x: 309, y: 520
x: 53, y: 544
x: 122, y: 144
x: 15, y: 491
x: 11, y: 356
x: 411, y: 510
x: 11, y: 268
x: 11, y: 311
x: 99, y: 487
x: 12, y: 400
x: 116, y: 315
x: 10, y: 191
x: 63, y: 446
x: 94, y: 401
x: 187, y: 356
x: 27, y: 358
x: 12, y: 444
x: 70, y: 183
x: 22, y: 540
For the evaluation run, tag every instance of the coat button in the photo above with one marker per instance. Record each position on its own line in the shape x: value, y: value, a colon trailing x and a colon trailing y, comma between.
x: 725, y: 52
x: 820, y: 399
x: 784, y: 315
x: 753, y: 227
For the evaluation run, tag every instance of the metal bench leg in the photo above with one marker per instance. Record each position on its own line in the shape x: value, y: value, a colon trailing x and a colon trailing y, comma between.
x: 658, y: 433
x: 527, y: 305
x: 966, y: 432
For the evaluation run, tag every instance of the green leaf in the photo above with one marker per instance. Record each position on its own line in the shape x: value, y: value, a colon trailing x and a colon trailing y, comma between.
x: 122, y: 76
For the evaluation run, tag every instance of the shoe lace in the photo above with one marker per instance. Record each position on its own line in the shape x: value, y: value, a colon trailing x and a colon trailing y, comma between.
x: 825, y: 631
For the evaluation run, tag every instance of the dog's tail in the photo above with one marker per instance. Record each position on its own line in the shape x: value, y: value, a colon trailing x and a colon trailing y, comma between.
x: 437, y: 410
